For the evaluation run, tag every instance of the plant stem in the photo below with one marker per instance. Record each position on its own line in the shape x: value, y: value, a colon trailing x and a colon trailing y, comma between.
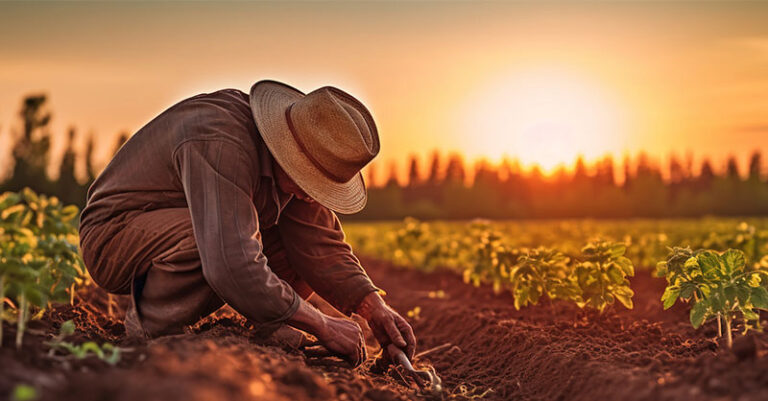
x: 729, y: 337
x: 719, y: 325
x: 21, y: 324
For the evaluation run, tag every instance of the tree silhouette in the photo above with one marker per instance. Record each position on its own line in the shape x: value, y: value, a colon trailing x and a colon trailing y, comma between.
x: 414, y: 178
x: 434, y: 169
x: 30, y: 152
x: 756, y: 167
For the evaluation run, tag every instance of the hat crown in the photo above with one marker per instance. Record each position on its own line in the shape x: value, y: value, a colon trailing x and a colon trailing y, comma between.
x: 335, y: 131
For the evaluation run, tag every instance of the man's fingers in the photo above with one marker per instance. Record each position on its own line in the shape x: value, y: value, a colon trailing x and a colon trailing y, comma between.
x: 394, y: 333
x: 410, y: 337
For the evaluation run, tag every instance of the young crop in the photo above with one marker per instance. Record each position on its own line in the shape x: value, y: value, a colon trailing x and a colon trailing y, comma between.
x: 717, y: 285
x: 601, y: 275
x: 539, y: 272
x: 39, y: 259
x: 105, y: 352
x: 490, y: 261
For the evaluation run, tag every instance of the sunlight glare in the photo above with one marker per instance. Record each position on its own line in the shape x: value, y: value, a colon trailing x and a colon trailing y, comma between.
x: 543, y: 117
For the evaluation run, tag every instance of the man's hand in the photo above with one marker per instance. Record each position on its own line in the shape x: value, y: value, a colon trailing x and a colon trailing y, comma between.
x: 387, y: 325
x: 340, y: 336
x: 343, y: 337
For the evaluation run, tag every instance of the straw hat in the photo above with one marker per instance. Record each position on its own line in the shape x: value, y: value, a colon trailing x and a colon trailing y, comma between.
x: 322, y: 140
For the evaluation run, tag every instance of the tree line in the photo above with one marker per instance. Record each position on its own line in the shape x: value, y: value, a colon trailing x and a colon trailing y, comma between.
x: 31, y: 154
x: 646, y: 189
x: 450, y: 189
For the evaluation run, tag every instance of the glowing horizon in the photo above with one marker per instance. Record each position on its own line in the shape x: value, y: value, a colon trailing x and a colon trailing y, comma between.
x: 541, y: 83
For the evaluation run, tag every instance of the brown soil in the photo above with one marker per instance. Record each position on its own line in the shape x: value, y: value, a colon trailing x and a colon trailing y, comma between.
x: 547, y: 352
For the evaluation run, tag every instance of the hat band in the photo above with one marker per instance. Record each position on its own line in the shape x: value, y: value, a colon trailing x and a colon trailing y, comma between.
x: 311, y: 158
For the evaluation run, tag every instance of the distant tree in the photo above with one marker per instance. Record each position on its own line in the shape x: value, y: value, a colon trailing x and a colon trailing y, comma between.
x: 434, y: 168
x: 67, y: 186
x: 31, y: 150
x: 454, y: 172
x: 676, y: 170
x: 706, y: 175
x: 414, y: 177
x: 756, y: 167
x: 392, y: 180
x: 90, y: 170
x: 580, y: 171
x: 626, y: 165
x: 485, y: 175
x: 732, y: 169
x: 605, y: 174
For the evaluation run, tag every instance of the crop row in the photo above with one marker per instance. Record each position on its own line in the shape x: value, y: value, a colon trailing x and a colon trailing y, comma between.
x: 718, y: 283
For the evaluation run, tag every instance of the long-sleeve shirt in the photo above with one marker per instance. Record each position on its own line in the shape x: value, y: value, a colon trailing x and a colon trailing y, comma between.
x: 205, y: 153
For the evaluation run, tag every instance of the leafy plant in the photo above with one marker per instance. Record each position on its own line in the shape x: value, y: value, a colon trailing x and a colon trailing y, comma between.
x: 39, y: 259
x: 491, y: 261
x: 539, y: 272
x: 105, y: 352
x: 601, y: 275
x: 718, y: 285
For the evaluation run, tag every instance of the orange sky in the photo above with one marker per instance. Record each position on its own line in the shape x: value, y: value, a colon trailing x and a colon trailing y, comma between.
x: 541, y: 82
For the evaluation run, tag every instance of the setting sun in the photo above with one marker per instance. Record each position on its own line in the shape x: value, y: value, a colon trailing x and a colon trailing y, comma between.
x: 544, y: 117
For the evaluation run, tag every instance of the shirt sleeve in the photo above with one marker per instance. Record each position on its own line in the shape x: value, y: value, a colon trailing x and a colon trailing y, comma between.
x: 217, y: 179
x: 314, y: 241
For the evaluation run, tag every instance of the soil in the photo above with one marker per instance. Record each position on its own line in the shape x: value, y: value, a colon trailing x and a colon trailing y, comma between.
x: 552, y: 351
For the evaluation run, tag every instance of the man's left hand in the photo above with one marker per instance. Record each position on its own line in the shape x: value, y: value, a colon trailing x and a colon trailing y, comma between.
x: 387, y: 325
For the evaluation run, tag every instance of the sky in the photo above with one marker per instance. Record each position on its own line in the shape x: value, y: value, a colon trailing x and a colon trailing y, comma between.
x: 542, y: 82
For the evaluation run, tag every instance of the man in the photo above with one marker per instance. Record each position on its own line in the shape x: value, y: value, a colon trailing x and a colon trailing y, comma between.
x: 228, y: 198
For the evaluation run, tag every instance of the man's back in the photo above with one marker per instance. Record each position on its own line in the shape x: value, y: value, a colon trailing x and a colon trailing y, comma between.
x: 142, y: 175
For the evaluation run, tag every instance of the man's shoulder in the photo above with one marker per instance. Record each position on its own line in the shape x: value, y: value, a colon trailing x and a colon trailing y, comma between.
x: 221, y: 115
x: 223, y: 101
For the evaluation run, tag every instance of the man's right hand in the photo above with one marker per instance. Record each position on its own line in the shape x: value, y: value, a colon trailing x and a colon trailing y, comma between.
x: 340, y: 336
x: 343, y: 337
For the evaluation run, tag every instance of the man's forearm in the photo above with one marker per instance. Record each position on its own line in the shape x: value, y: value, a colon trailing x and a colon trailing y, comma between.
x: 307, y: 318
x: 370, y: 302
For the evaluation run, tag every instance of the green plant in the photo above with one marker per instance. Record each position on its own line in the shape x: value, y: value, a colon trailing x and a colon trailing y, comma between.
x: 539, y: 272
x: 601, y: 275
x: 718, y: 285
x: 24, y: 392
x: 39, y: 259
x: 105, y: 352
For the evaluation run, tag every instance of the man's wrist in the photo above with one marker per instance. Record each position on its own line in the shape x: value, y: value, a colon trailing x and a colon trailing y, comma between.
x: 309, y: 319
x: 369, y: 304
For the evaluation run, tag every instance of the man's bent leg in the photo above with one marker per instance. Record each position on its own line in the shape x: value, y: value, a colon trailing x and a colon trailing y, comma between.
x: 172, y: 292
x: 168, y: 290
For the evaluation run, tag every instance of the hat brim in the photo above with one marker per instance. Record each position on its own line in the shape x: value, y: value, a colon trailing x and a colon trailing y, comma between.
x: 269, y: 101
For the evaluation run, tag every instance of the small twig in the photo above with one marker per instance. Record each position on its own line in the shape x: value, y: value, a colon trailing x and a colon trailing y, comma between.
x: 436, y: 349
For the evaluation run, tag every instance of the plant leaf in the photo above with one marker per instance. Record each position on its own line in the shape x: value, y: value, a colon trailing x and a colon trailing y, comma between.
x: 670, y: 295
x: 759, y: 298
x: 698, y: 314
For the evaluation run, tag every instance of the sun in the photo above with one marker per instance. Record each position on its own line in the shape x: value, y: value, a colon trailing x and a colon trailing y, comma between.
x: 543, y: 117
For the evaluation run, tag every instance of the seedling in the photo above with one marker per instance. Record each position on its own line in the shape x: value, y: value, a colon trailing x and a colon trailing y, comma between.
x: 106, y: 352
x: 602, y: 274
x: 539, y: 272
x: 718, y: 285
x: 24, y: 392
x: 39, y: 260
